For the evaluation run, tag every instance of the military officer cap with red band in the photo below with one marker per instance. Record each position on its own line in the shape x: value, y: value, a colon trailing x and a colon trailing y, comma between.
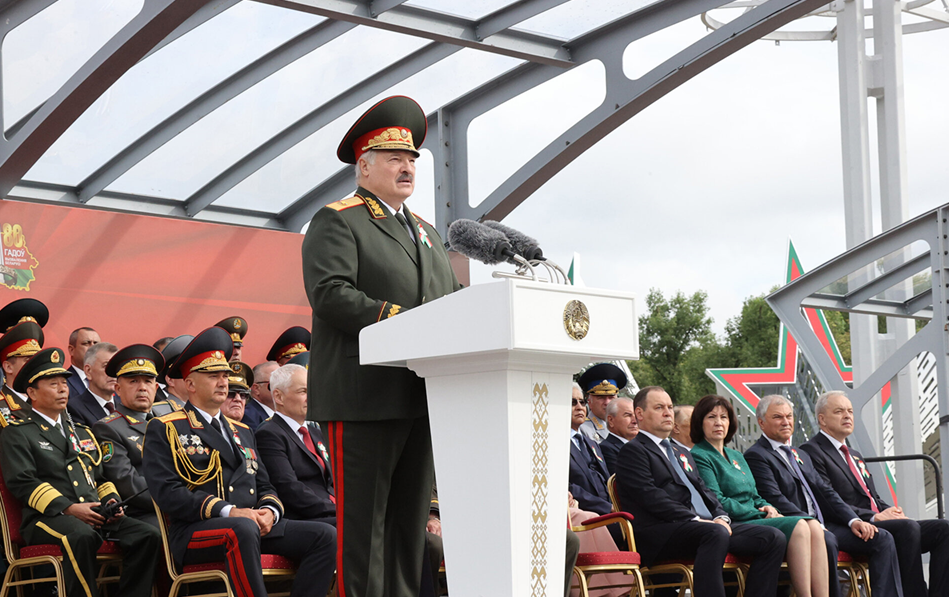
x: 209, y: 352
x: 24, y: 340
x: 292, y: 342
x: 21, y: 310
x: 396, y: 122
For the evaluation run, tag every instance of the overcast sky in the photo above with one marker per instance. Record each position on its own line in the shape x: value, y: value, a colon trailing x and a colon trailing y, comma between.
x: 701, y: 191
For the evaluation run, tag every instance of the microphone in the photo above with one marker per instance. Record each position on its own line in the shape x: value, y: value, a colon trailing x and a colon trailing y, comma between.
x: 520, y: 242
x: 478, y: 242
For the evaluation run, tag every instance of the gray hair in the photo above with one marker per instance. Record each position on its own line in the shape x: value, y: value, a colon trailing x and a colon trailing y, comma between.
x: 95, y: 349
x: 765, y: 403
x: 576, y: 386
x: 613, y: 406
x: 679, y: 408
x: 259, y: 369
x: 281, y: 378
x: 370, y: 159
x: 823, y: 398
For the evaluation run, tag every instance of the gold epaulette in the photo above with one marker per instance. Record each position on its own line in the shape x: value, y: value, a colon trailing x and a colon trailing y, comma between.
x: 112, y: 417
x: 175, y: 416
x: 346, y: 203
x: 238, y: 423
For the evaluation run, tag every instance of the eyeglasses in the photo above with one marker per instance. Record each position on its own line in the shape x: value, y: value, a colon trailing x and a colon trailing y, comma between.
x: 237, y: 395
x: 580, y: 402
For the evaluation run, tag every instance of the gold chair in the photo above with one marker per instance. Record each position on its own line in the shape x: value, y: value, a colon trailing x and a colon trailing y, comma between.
x: 857, y: 570
x: 601, y: 562
x: 22, y: 557
x: 274, y: 567
x: 679, y: 567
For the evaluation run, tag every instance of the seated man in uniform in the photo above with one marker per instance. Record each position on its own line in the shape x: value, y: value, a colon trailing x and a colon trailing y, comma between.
x: 293, y: 451
x: 16, y: 348
x: 51, y: 467
x: 122, y: 434
x: 175, y: 395
x: 600, y: 384
x: 204, y: 473
x: 239, y: 381
x: 290, y: 343
x: 237, y: 328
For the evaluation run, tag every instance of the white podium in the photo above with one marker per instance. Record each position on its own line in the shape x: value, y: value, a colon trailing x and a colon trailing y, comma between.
x: 498, y: 361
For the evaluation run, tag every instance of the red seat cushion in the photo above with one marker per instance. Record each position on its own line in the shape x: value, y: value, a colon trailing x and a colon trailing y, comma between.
x: 32, y: 551
x: 267, y: 561
x: 845, y: 557
x: 602, y: 558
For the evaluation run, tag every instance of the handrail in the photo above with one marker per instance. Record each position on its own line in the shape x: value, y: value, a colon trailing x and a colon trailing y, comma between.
x: 927, y: 458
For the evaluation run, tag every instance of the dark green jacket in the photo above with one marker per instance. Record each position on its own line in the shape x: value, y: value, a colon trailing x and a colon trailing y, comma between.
x: 121, y: 437
x: 360, y: 266
x: 44, y: 470
x: 730, y: 480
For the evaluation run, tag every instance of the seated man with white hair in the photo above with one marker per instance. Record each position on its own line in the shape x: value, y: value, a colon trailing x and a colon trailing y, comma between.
x: 293, y: 452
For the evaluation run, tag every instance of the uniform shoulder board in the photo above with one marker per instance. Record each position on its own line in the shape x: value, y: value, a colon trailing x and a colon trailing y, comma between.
x: 237, y: 423
x: 112, y: 417
x: 346, y: 203
x: 82, y: 426
x: 416, y: 216
x: 175, y: 416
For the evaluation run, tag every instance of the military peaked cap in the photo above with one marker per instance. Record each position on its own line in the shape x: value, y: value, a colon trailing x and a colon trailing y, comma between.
x: 236, y: 327
x: 292, y: 342
x: 241, y: 377
x: 21, y: 310
x: 24, y: 340
x: 207, y: 353
x: 50, y: 362
x: 396, y: 122
x: 603, y: 379
x: 137, y: 359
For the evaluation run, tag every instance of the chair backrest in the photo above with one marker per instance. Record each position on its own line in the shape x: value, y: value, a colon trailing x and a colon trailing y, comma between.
x: 11, y: 516
x: 611, y: 489
x: 163, y: 527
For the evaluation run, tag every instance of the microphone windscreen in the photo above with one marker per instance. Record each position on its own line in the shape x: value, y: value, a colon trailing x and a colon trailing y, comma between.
x: 475, y: 240
x: 522, y: 244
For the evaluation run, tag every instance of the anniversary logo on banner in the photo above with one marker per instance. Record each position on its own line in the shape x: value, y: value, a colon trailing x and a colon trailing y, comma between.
x: 16, y: 261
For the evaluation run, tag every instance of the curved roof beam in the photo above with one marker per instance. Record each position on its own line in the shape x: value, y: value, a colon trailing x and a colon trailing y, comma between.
x: 624, y: 99
x: 440, y: 27
x: 361, y: 92
x: 20, y: 151
x: 207, y: 102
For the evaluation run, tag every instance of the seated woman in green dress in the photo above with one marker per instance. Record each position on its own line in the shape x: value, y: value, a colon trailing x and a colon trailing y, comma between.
x: 726, y: 473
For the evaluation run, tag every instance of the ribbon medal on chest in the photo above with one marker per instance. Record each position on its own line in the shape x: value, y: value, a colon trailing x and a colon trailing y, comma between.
x: 685, y: 463
x: 863, y: 469
x: 735, y: 462
x: 249, y: 459
x: 796, y: 457
x: 423, y: 236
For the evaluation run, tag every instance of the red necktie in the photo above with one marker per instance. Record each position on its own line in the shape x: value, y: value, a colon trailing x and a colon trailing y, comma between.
x: 856, y: 473
x: 308, y: 441
x: 110, y: 407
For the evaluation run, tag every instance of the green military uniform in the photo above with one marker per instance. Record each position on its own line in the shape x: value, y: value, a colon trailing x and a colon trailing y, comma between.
x: 236, y: 327
x: 12, y: 406
x: 23, y: 339
x: 121, y: 437
x: 360, y: 265
x: 48, y: 469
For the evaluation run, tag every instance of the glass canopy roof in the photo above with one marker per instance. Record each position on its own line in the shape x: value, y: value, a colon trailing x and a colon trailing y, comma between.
x: 234, y: 113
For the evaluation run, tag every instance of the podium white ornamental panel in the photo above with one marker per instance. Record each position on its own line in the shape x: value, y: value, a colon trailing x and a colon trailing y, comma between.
x: 498, y: 361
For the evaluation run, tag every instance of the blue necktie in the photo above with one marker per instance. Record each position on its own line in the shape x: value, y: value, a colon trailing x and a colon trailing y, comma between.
x: 800, y: 475
x: 698, y: 504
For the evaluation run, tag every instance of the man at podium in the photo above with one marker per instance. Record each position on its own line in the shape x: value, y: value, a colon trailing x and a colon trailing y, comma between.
x: 368, y: 258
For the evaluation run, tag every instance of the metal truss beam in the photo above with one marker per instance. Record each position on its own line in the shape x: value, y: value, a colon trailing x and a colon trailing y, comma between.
x: 932, y: 228
x: 315, y: 120
x: 255, y: 72
x: 439, y: 27
x: 512, y: 14
x: 882, y: 283
x: 624, y: 98
x: 20, y: 151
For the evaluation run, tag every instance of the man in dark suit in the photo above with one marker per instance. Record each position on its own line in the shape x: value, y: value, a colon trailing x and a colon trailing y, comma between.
x: 677, y: 517
x: 203, y: 472
x: 98, y: 401
x: 260, y: 406
x: 786, y: 479
x: 367, y: 258
x: 623, y: 426
x: 293, y: 451
x: 843, y: 469
x: 588, y: 474
x: 80, y: 340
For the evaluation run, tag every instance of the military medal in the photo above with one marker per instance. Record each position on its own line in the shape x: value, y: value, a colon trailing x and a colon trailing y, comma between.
x: 423, y: 236
x: 685, y: 463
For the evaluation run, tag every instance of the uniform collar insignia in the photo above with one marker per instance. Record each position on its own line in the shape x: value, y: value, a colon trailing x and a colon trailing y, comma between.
x: 372, y: 203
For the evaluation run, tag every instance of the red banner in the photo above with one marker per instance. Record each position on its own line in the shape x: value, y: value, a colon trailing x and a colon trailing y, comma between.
x: 136, y: 279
